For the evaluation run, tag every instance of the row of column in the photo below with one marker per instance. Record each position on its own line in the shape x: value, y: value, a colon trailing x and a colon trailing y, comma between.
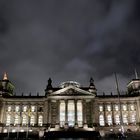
x: 83, y: 103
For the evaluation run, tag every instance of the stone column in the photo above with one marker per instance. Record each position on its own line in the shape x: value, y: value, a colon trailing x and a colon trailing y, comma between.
x: 3, y: 113
x: 113, y: 118
x: 45, y: 113
x: 66, y: 113
x: 137, y: 105
x: 75, y: 104
x: 91, y: 105
x: 57, y: 114
x: 84, y: 114
x: 49, y: 112
x: 105, y: 119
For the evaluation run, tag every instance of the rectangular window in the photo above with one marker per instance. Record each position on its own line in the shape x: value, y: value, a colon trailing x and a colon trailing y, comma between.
x: 9, y: 108
x: 40, y: 120
x: 132, y: 107
x: 24, y: 108
x: 133, y: 118
x: 109, y: 119
x: 32, y: 120
x: 8, y: 120
x: 24, y: 120
x: 125, y: 119
x: 101, y: 120
x: 108, y: 107
x: 16, y: 119
x: 17, y: 108
x: 100, y: 108
x: 116, y: 108
x: 33, y: 108
x: 124, y: 107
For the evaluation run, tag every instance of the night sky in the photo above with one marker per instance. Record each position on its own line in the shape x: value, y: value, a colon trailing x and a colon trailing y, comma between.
x: 69, y: 40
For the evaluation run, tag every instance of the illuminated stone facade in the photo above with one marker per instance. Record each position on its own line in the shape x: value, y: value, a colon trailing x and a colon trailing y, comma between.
x: 69, y: 106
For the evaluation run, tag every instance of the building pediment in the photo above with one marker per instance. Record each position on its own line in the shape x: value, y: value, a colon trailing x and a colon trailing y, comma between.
x: 71, y: 91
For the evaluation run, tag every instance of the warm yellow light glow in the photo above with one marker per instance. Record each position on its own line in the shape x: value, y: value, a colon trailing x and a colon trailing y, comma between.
x: 5, y: 77
x: 101, y: 120
x: 62, y: 113
x: 108, y: 108
x: 79, y: 113
x: 40, y: 120
x: 109, y: 119
x: 71, y: 113
x: 101, y: 108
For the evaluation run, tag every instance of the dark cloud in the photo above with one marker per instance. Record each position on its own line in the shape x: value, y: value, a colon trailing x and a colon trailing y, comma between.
x: 69, y: 40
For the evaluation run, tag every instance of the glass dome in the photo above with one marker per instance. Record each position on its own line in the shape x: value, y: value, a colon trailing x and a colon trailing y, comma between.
x: 69, y: 83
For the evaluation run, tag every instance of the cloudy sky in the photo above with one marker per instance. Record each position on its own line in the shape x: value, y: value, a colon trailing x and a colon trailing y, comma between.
x: 69, y: 40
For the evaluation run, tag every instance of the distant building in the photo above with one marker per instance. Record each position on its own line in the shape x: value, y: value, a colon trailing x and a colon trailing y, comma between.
x: 69, y: 105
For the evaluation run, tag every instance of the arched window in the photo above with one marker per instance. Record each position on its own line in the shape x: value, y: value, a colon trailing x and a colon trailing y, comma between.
x: 62, y: 113
x: 40, y: 120
x: 109, y: 119
x: 101, y: 120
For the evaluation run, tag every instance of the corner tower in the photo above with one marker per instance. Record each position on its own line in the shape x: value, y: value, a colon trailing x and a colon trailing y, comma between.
x: 133, y: 86
x: 6, y: 87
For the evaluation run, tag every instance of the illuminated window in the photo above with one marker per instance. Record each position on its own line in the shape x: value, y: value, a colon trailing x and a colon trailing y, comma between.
x: 79, y: 113
x: 71, y: 113
x: 117, y: 119
x: 100, y: 108
x: 16, y: 119
x: 133, y: 118
x: 101, y: 120
x: 40, y: 120
x: 109, y: 119
x: 8, y: 120
x: 24, y: 108
x: 132, y: 107
x: 124, y: 107
x: 116, y: 108
x: 24, y: 120
x: 108, y: 107
x: 9, y: 108
x: 13, y: 130
x: 32, y: 120
x: 33, y: 108
x: 62, y: 113
x: 17, y: 108
x: 5, y: 131
x: 125, y: 120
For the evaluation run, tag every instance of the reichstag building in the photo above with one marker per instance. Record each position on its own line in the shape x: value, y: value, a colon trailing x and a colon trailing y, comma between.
x: 69, y: 106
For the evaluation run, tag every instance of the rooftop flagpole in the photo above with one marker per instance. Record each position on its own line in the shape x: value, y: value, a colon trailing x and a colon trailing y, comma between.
x: 118, y: 92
